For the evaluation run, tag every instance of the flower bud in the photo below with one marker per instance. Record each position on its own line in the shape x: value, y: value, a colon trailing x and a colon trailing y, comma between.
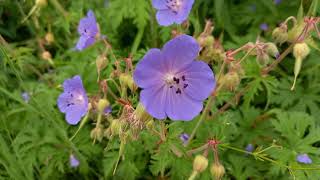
x: 41, y: 3
x: 272, y: 50
x: 280, y: 34
x: 217, y: 170
x: 200, y: 163
x: 231, y: 80
x: 300, y: 52
x: 127, y: 81
x: 46, y: 55
x: 102, y: 104
x: 49, y: 38
x: 263, y: 59
x: 115, y: 127
x: 97, y: 133
x: 101, y: 63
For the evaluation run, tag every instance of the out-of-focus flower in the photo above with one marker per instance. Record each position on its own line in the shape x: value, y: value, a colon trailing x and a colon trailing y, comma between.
x: 107, y: 110
x: 172, y: 11
x: 74, y: 162
x: 277, y: 2
x: 304, y: 158
x: 174, y: 83
x: 184, y: 137
x: 249, y: 148
x: 25, y: 96
x: 88, y: 30
x: 73, y: 101
x: 264, y: 26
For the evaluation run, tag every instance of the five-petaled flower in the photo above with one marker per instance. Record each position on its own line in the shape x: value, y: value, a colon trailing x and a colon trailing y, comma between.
x: 88, y: 30
x: 172, y: 11
x: 174, y: 83
x: 73, y: 101
x: 304, y: 158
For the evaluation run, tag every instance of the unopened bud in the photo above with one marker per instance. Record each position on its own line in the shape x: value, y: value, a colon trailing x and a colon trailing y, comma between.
x: 280, y: 34
x: 102, y: 105
x: 97, y: 133
x: 301, y: 50
x: 272, y: 50
x: 200, y: 163
x: 49, y: 38
x: 46, y: 55
x: 231, y: 80
x: 263, y: 59
x: 101, y: 63
x: 217, y: 170
x: 126, y: 80
x: 115, y: 127
x: 41, y: 3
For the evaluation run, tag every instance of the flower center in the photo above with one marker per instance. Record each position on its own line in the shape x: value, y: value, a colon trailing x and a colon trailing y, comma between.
x: 174, y: 5
x: 76, y: 99
x: 176, y: 83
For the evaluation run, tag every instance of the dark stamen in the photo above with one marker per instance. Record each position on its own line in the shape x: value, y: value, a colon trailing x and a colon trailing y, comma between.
x: 178, y: 91
x: 176, y: 80
x: 183, y: 78
x: 185, y: 85
x: 171, y: 86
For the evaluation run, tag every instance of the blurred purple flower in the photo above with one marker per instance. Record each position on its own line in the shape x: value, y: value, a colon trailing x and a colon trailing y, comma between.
x: 74, y: 162
x: 277, y: 2
x: 26, y: 97
x: 174, y: 83
x: 73, y: 101
x: 249, y: 148
x: 264, y: 26
x: 304, y: 158
x: 107, y: 110
x: 172, y: 11
x: 184, y: 137
x: 88, y: 29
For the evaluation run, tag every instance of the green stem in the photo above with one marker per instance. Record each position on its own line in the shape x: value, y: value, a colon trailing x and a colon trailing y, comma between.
x: 137, y: 40
x: 83, y: 122
x: 193, y: 175
x: 202, y: 117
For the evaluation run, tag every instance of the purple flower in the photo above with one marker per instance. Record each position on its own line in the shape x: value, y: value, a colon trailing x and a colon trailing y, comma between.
x: 184, y: 137
x: 264, y: 26
x: 174, y: 83
x: 304, y: 158
x: 74, y: 162
x: 26, y: 97
x: 88, y: 29
x: 107, y: 110
x: 172, y: 11
x: 277, y: 2
x: 73, y: 101
x: 249, y: 148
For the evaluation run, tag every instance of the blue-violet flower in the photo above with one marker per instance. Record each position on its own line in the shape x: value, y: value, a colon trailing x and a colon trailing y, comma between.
x: 172, y: 11
x: 304, y: 158
x: 74, y: 162
x: 73, y: 101
x: 174, y: 83
x: 88, y: 30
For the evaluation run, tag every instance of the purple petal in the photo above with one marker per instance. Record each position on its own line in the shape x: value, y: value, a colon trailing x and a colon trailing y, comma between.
x: 264, y: 26
x: 74, y: 83
x: 107, y: 110
x: 184, y: 137
x: 88, y: 25
x: 63, y: 100
x: 166, y: 17
x: 181, y: 51
x: 200, y: 80
x: 150, y: 69
x: 159, y: 4
x: 304, y: 158
x: 74, y: 162
x: 249, y: 148
x: 84, y: 42
x: 181, y: 107
x: 25, y: 97
x: 154, y: 101
x: 74, y: 115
